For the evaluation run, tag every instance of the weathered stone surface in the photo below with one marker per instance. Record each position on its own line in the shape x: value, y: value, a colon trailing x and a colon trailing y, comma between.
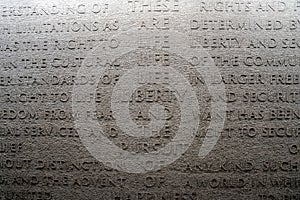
x: 149, y: 100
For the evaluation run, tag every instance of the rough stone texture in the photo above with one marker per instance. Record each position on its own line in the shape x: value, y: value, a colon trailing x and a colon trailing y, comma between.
x: 149, y: 100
